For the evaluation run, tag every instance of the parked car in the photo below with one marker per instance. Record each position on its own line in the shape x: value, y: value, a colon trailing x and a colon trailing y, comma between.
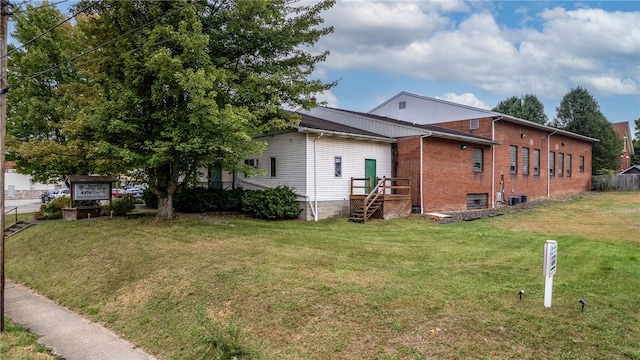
x: 134, y: 192
x: 47, y: 196
x: 117, y: 192
x: 61, y: 192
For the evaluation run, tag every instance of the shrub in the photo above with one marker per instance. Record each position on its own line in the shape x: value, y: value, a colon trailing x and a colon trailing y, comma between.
x: 278, y: 203
x: 196, y: 200
x: 53, y: 209
x: 150, y: 199
x: 121, y: 206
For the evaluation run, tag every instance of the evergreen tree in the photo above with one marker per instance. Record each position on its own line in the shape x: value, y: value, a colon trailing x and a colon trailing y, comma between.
x: 580, y: 113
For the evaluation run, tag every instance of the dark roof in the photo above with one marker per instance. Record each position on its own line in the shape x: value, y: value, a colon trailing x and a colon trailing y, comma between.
x: 89, y: 179
x: 312, y: 122
x: 436, y: 131
x: 634, y: 169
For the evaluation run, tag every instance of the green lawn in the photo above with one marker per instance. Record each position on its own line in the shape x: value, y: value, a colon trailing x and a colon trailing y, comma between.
x: 211, y: 286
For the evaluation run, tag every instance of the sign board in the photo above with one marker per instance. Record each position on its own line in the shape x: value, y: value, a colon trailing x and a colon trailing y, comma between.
x: 549, y: 264
x: 89, y: 191
x: 550, y: 258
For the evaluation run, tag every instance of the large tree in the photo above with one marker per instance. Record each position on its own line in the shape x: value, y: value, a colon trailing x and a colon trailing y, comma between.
x: 527, y: 107
x: 46, y: 132
x: 580, y: 113
x: 187, y: 84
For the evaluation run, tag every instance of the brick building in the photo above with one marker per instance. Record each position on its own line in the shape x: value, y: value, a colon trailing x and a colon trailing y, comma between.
x: 623, y: 130
x: 462, y: 157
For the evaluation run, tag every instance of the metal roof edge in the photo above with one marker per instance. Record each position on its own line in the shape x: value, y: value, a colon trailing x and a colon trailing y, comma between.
x: 303, y: 129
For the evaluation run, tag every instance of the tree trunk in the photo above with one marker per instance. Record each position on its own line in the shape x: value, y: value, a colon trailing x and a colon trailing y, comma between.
x: 166, y: 186
x: 165, y: 207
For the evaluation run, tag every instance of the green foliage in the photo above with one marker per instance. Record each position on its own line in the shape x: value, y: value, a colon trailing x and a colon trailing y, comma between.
x: 53, y: 209
x: 222, y: 344
x: 580, y: 113
x: 635, y: 158
x: 203, y: 94
x: 198, y: 200
x: 47, y: 133
x: 121, y: 206
x: 527, y: 107
x: 278, y: 203
x: 150, y: 199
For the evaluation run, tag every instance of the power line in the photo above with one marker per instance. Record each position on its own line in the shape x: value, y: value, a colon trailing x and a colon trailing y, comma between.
x: 35, y: 8
x: 57, y: 66
x: 50, y: 29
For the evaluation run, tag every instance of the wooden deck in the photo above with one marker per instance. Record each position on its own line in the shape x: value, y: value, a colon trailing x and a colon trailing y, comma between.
x: 389, y: 198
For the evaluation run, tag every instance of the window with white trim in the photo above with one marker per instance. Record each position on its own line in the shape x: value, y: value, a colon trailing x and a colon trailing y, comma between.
x: 474, y: 124
x: 337, y: 161
x: 272, y: 167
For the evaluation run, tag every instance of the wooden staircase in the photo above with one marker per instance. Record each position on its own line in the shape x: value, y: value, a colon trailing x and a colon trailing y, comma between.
x: 16, y: 228
x: 367, y: 201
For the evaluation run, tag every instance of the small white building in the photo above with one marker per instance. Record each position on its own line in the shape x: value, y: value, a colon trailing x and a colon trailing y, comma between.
x: 317, y: 159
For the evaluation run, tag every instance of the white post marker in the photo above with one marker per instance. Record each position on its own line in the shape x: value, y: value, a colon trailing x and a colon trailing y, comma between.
x: 550, y: 261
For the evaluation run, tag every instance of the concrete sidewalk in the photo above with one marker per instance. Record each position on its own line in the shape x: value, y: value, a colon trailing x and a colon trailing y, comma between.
x: 69, y: 335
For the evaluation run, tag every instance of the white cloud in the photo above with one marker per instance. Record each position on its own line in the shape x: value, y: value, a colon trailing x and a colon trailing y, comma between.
x: 464, y: 99
x: 442, y: 41
x: 328, y: 98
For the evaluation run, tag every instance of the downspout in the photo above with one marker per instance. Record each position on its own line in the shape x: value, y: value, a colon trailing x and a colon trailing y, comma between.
x: 315, y: 178
x: 554, y: 163
x: 421, y: 176
x: 493, y: 162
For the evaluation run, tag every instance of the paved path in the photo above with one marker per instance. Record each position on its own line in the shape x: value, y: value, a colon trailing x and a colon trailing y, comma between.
x: 69, y: 335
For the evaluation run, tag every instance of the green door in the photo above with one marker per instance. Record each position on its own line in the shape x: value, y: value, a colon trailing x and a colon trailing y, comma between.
x: 215, y: 177
x: 370, y: 172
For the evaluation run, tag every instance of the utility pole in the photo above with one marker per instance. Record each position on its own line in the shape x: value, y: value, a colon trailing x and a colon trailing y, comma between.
x: 4, y: 88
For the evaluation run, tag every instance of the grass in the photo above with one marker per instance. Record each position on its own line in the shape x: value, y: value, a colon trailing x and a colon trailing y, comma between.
x: 214, y: 287
x: 17, y: 343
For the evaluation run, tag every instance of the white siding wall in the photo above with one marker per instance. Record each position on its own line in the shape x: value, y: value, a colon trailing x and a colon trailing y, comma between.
x: 289, y: 151
x: 365, y: 123
x: 423, y: 110
x: 353, y: 153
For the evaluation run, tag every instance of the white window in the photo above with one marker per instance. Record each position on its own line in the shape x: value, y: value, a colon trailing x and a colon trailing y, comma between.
x: 338, y: 166
x: 474, y: 124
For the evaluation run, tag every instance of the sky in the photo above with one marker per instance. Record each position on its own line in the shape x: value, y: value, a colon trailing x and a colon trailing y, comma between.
x: 479, y: 53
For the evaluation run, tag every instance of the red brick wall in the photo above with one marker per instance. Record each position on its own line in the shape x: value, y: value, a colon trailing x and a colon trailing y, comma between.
x: 448, y: 174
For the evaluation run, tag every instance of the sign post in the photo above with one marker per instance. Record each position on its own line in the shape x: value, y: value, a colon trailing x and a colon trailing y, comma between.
x: 549, y: 263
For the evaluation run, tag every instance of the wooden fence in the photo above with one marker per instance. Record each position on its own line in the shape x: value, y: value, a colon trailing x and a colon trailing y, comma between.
x: 622, y: 182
